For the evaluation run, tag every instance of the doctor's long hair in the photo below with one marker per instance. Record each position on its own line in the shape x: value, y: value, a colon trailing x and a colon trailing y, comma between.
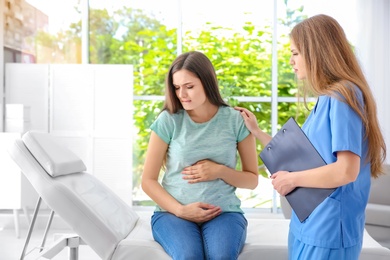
x: 197, y: 63
x: 331, y: 68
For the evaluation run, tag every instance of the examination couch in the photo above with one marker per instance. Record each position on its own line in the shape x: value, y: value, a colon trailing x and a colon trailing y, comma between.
x: 111, y: 228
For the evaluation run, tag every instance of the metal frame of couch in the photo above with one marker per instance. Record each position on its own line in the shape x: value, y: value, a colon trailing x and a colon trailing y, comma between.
x: 110, y: 227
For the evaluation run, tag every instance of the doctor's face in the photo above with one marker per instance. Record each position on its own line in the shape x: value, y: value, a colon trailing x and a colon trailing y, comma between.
x: 297, y: 62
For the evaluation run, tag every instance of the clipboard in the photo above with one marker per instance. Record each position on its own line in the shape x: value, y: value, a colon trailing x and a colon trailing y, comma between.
x: 291, y: 150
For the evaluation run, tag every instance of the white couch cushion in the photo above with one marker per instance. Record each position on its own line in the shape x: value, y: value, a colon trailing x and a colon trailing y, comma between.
x: 266, y: 239
x: 54, y: 158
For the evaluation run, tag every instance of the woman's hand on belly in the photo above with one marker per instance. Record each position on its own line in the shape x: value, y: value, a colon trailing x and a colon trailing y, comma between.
x: 204, y: 170
x: 199, y: 212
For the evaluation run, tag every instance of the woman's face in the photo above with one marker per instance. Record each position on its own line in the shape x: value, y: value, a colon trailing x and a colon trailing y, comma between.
x: 297, y: 62
x: 189, y: 89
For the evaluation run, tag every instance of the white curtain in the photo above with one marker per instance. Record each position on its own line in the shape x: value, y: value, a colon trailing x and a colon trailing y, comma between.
x: 373, y: 50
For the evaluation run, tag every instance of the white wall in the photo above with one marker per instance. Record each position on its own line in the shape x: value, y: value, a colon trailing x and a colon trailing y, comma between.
x: 373, y: 50
x: 88, y: 107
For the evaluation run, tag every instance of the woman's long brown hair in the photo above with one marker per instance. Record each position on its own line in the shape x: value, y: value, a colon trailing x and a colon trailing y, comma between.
x: 332, y: 69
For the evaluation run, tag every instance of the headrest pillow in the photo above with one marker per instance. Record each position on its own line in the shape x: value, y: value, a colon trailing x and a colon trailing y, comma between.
x: 55, y: 159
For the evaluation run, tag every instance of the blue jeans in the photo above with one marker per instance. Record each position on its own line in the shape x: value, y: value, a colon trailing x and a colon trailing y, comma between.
x: 220, y: 238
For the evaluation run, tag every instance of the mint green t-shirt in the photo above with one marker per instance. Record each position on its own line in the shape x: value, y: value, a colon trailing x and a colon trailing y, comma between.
x: 189, y: 142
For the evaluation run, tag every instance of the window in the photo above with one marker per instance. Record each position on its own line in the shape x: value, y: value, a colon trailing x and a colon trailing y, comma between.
x: 246, y: 40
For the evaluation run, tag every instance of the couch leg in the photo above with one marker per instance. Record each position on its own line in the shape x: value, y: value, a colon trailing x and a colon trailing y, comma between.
x: 69, y: 240
x: 30, y: 229
x: 73, y: 244
x: 46, y: 230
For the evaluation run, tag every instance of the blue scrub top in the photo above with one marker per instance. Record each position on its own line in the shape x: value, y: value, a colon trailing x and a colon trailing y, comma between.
x: 338, y: 222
